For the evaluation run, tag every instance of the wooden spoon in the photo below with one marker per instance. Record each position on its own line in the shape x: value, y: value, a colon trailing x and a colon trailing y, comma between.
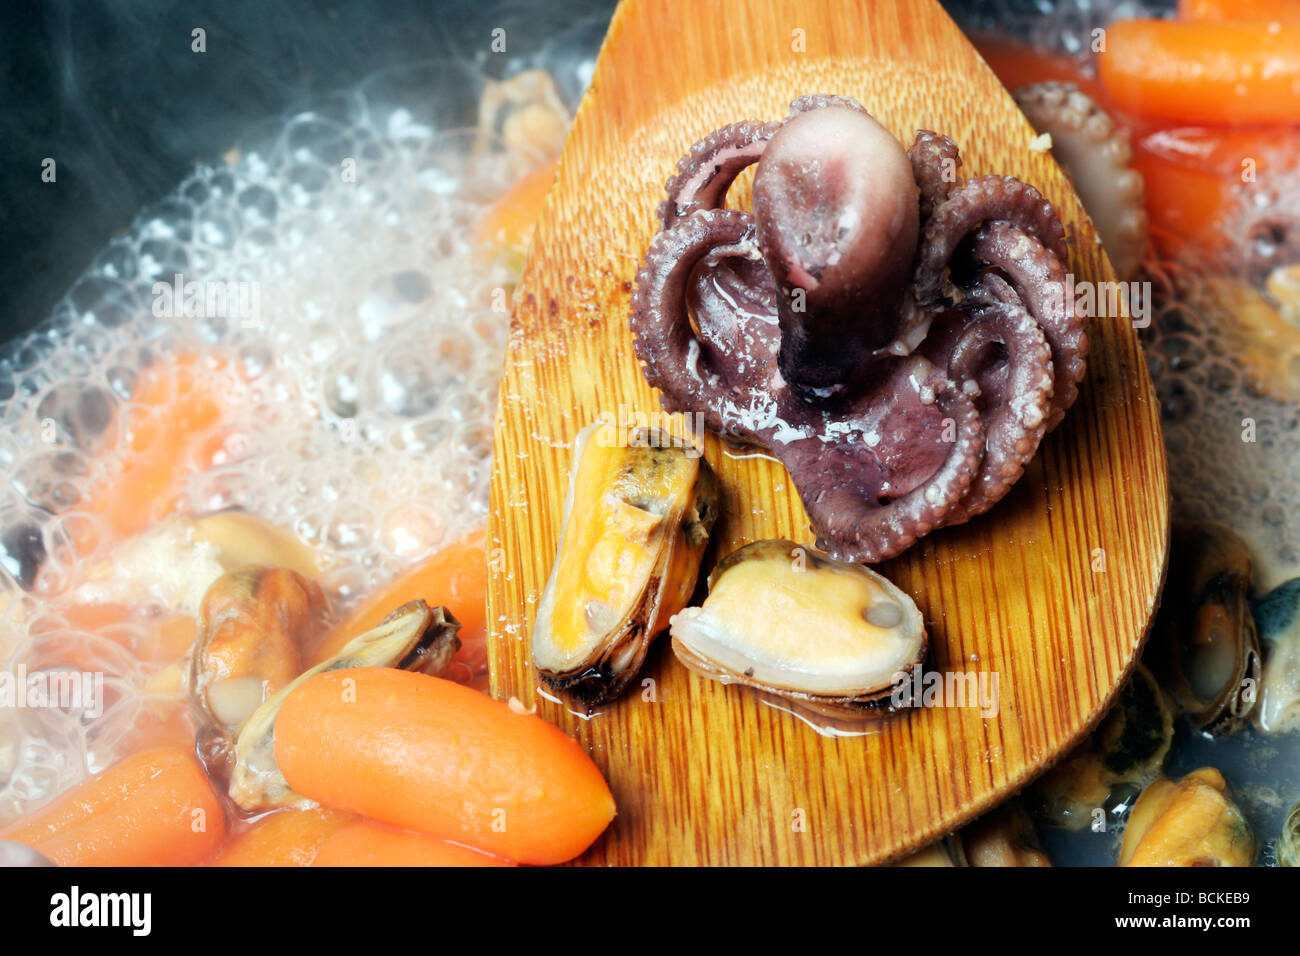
x: 1052, y: 591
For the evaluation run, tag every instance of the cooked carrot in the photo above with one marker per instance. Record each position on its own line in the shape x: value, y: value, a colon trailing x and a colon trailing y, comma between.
x: 1020, y: 64
x: 1239, y: 9
x: 284, y: 838
x: 152, y: 639
x: 1198, y: 179
x: 173, y: 427
x: 455, y: 577
x: 507, y: 226
x: 156, y: 808
x: 364, y: 843
x: 429, y: 755
x: 160, y: 722
x: 1186, y: 206
x: 1204, y: 72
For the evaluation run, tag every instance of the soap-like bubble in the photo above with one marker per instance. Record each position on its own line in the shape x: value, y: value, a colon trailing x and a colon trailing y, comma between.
x: 329, y: 264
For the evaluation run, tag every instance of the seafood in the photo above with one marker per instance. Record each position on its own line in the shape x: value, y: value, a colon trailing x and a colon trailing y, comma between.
x: 1288, y: 844
x: 1097, y: 155
x: 1003, y: 837
x: 414, y: 637
x: 900, y: 341
x: 1207, y: 649
x: 945, y: 852
x: 178, y: 560
x: 253, y: 624
x: 1278, y: 709
x: 833, y: 637
x: 628, y: 558
x: 1191, y: 822
x: 1126, y: 751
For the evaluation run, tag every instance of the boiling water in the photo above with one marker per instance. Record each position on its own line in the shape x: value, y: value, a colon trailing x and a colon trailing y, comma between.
x: 357, y: 351
x: 363, y: 382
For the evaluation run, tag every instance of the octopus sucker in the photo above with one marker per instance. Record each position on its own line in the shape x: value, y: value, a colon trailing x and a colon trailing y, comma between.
x: 1036, y: 279
x: 900, y: 341
x: 1099, y: 161
x: 935, y: 160
x: 980, y: 200
x: 997, y: 345
x: 706, y: 173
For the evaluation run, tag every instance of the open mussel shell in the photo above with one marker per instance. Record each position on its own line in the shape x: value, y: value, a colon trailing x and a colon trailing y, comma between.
x: 835, y: 638
x: 1189, y: 822
x: 1125, y: 752
x: 637, y: 519
x: 1277, y: 617
x: 413, y: 637
x: 1207, y: 650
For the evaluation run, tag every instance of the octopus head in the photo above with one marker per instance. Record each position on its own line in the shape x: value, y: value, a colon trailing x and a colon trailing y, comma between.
x: 836, y: 211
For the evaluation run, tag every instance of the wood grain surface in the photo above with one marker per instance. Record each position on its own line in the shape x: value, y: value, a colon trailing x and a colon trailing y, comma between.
x: 1052, y: 591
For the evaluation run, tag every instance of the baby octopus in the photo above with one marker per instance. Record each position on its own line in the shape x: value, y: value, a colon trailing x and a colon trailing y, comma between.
x: 900, y: 342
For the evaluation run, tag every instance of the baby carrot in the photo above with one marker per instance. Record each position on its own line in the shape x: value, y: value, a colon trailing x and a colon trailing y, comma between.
x: 363, y: 843
x: 284, y: 838
x: 1187, y: 207
x: 156, y: 808
x: 1239, y: 9
x: 429, y: 755
x: 173, y: 427
x: 1225, y: 72
x: 507, y: 226
x: 455, y: 577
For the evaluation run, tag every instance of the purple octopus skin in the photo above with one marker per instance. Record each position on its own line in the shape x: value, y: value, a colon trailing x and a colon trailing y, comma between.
x: 900, y: 341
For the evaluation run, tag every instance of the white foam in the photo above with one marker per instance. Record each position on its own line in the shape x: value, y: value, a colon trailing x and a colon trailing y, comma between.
x: 367, y: 377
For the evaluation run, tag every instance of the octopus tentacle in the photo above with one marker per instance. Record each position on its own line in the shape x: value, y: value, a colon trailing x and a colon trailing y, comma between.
x: 983, y: 199
x: 935, y: 161
x: 664, y: 339
x: 1037, y: 278
x: 817, y: 101
x: 1099, y: 160
x: 922, y: 479
x: 706, y: 173
x: 795, y: 327
x: 997, y: 351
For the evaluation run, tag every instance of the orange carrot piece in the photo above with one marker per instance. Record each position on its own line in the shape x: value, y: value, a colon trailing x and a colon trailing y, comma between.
x: 364, y: 843
x: 172, y: 430
x: 455, y: 577
x: 156, y: 808
x: 1186, y: 206
x: 1019, y: 64
x: 1239, y: 9
x: 1226, y: 72
x: 426, y: 754
x: 508, y: 223
x: 284, y: 838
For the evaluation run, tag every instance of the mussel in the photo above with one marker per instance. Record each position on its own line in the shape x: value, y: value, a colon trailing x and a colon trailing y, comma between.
x: 414, y: 637
x: 1191, y: 822
x: 1125, y: 752
x: 1207, y: 649
x: 637, y: 520
x: 178, y: 560
x: 947, y: 852
x: 1277, y: 616
x: 833, y: 637
x: 253, y: 626
x: 1288, y: 844
x: 1003, y: 837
